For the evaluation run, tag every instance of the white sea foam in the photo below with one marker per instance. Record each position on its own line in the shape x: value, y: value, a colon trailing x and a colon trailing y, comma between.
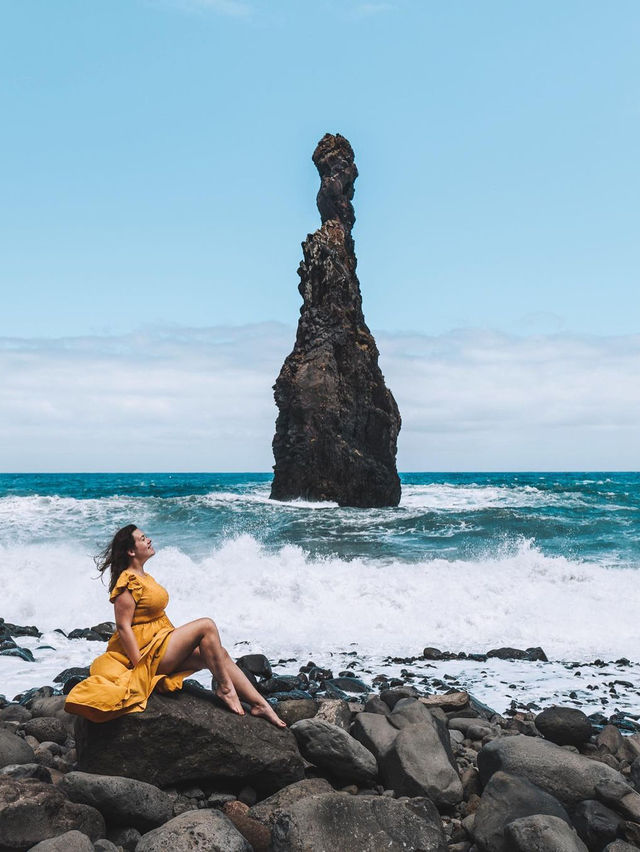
x: 288, y: 602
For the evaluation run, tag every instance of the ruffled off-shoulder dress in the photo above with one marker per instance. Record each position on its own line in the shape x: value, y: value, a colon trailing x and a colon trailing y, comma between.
x: 114, y: 686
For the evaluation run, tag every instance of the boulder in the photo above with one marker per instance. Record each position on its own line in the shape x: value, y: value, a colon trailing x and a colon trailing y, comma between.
x: 27, y: 770
x: 46, y: 729
x: 597, y: 824
x: 267, y: 810
x: 564, y: 726
x: 417, y: 764
x: 375, y: 704
x: 123, y: 801
x: 392, y: 696
x: 542, y: 834
x: 195, y: 831
x: 14, y: 713
x: 256, y: 664
x: 128, y: 838
x: 507, y: 798
x: 292, y: 711
x: 568, y: 776
x: 619, y: 846
x: 70, y: 841
x: 13, y: 749
x: 31, y: 811
x: 255, y: 833
x: 334, y: 822
x: 375, y: 733
x: 334, y: 750
x: 336, y: 711
x: 187, y: 738
x: 620, y: 796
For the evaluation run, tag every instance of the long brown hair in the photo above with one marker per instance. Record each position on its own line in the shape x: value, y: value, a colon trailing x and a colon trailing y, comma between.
x: 116, y: 554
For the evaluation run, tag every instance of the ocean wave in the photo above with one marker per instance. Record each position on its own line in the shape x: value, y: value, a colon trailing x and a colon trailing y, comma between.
x: 287, y: 601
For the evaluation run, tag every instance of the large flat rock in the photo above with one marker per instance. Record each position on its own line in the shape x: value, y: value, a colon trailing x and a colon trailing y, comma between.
x: 187, y: 738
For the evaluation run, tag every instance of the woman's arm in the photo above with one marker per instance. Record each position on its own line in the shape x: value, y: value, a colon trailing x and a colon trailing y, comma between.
x: 124, y: 606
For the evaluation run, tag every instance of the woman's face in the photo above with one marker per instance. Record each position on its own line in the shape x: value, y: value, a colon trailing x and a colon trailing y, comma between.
x: 143, y: 549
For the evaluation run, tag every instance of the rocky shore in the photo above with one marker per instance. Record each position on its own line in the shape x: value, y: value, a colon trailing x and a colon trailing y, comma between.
x: 391, y: 764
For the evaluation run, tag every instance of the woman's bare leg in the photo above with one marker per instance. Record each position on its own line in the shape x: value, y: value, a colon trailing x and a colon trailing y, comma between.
x: 203, y: 635
x: 245, y: 689
x: 259, y: 704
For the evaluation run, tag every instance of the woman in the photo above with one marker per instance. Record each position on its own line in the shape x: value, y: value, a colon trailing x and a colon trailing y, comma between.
x: 147, y: 651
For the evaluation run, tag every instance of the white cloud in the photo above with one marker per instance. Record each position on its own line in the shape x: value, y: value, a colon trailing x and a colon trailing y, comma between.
x: 201, y: 399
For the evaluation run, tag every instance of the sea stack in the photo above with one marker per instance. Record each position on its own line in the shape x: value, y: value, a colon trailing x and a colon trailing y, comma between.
x: 338, y: 423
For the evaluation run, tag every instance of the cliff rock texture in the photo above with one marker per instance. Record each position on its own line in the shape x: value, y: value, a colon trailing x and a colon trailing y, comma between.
x: 338, y: 423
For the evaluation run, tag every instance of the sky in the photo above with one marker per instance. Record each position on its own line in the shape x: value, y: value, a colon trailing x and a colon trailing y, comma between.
x: 157, y: 183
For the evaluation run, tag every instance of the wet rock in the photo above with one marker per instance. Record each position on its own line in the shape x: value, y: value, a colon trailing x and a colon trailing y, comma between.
x: 187, y: 738
x: 85, y: 633
x: 124, y: 801
x: 507, y: 798
x: 46, y: 729
x: 22, y: 653
x: 417, y: 764
x: 349, y: 684
x: 338, y: 424
x: 31, y: 811
x: 542, y: 834
x: 70, y: 841
x: 71, y: 677
x: 531, y: 654
x: 14, y: 749
x: 193, y: 831
x: 257, y: 664
x: 267, y: 810
x: 334, y: 750
x: 597, y: 824
x: 105, y: 630
x: 371, y: 823
x: 564, y: 726
x: 569, y: 777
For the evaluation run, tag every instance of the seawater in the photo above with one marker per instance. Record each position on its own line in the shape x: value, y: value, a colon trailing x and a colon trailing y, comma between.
x: 467, y: 562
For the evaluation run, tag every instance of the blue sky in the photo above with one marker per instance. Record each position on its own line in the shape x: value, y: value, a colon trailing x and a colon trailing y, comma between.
x: 157, y: 181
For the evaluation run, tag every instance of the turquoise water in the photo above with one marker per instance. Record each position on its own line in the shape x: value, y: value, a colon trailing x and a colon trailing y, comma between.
x: 581, y: 516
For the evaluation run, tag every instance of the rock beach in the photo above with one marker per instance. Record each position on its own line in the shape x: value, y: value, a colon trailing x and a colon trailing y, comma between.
x: 465, y: 778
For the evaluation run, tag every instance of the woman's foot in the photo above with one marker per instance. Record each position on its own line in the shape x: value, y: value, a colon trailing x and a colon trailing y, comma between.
x: 227, y: 693
x: 267, y: 712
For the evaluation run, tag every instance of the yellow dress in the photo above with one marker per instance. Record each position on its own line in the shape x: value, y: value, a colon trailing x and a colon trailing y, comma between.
x: 114, y: 686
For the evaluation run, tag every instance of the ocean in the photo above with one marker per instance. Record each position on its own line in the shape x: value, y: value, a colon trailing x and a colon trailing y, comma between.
x: 467, y: 562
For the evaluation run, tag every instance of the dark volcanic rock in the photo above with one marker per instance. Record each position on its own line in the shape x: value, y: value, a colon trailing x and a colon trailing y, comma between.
x: 564, y: 725
x: 186, y: 738
x: 542, y: 833
x: 505, y: 799
x: 332, y: 749
x: 338, y: 821
x: 338, y: 423
x: 31, y: 811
